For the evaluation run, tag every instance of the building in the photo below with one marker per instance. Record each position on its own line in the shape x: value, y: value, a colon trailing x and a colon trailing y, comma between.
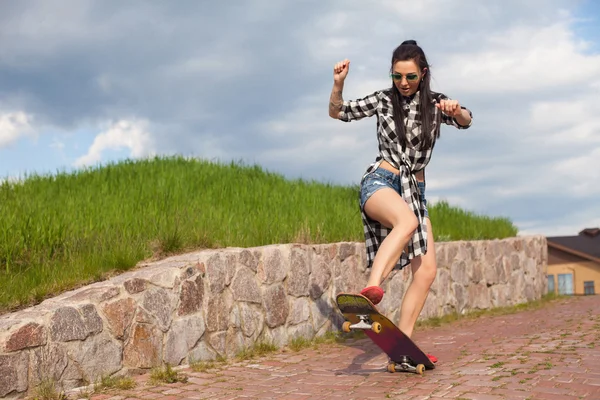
x: 574, y: 263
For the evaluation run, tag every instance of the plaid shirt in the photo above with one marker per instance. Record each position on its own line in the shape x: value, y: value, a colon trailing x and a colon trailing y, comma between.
x: 406, y: 159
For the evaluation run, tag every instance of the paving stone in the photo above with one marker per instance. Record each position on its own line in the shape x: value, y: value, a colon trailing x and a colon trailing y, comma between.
x: 528, y: 355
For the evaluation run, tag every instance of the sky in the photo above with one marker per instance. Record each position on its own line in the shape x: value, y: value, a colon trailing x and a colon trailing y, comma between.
x: 86, y: 82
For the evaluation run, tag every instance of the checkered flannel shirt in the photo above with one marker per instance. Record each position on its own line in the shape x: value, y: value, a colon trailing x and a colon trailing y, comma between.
x: 406, y: 159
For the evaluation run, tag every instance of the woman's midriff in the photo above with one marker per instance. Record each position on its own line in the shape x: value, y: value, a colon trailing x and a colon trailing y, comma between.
x: 420, y: 175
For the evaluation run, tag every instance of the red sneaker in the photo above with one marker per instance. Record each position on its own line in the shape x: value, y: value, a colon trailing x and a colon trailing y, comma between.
x: 373, y: 293
x: 432, y: 358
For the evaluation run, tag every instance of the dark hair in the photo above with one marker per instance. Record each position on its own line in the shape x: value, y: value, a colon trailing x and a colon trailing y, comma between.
x: 409, y: 50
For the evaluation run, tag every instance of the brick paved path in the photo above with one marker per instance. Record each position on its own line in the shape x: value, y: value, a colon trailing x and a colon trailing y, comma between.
x: 543, y: 354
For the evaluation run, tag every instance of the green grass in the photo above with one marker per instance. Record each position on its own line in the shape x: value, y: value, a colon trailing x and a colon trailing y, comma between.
x: 258, y: 350
x: 452, y: 223
x: 166, y: 374
x: 47, y: 390
x: 65, y: 230
x: 114, y: 382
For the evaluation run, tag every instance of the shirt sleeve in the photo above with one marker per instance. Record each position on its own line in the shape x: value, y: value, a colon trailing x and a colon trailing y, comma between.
x: 358, y: 109
x: 452, y: 121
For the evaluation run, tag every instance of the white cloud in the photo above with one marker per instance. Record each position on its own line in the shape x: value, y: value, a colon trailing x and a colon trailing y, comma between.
x: 568, y: 122
x: 41, y: 29
x: 303, y: 142
x: 521, y: 60
x: 563, y: 226
x: 124, y: 134
x: 57, y: 144
x: 581, y: 174
x: 555, y: 149
x: 14, y: 125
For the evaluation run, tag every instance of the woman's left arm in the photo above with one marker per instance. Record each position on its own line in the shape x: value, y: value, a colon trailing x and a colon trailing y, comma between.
x: 455, y: 114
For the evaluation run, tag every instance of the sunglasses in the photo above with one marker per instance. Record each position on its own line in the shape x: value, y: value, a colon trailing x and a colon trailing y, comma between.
x: 409, y: 77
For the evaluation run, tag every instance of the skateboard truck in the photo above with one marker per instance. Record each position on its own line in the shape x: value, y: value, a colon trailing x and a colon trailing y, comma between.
x: 364, y: 323
x: 405, y: 364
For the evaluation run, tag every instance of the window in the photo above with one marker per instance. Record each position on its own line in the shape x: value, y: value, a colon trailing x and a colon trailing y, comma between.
x: 551, y: 284
x: 565, y: 284
x: 588, y: 287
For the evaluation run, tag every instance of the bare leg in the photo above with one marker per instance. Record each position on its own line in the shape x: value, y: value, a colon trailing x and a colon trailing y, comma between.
x: 388, y: 208
x: 424, y: 269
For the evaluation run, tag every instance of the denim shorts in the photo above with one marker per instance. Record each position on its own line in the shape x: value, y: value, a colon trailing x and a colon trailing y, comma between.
x: 382, y: 178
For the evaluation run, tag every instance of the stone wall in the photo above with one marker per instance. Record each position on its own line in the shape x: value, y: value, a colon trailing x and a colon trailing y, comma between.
x: 215, y: 302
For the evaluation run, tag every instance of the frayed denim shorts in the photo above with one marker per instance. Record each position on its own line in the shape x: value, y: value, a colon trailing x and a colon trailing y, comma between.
x: 382, y: 178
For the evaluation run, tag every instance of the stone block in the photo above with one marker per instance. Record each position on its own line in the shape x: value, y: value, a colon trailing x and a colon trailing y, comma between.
x: 191, y: 296
x: 135, y: 285
x: 298, y: 276
x: 159, y: 303
x: 299, y: 311
x: 119, y: 315
x: 183, y: 337
x: 320, y: 279
x: 244, y: 287
x: 276, y: 306
x: 67, y: 324
x: 143, y: 348
x: 13, y: 373
x: 273, y: 265
x: 29, y: 335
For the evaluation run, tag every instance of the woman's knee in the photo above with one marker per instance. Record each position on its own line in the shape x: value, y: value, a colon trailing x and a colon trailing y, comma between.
x: 406, y: 224
x: 390, y: 210
x: 403, y: 221
x: 426, y: 273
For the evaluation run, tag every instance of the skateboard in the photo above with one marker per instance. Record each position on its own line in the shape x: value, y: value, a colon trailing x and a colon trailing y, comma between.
x: 404, y: 354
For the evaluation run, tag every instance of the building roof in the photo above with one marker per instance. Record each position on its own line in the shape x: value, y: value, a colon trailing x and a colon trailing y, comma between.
x: 586, y: 244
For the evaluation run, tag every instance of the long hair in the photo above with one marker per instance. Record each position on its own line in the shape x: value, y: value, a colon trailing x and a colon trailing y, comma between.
x: 409, y: 50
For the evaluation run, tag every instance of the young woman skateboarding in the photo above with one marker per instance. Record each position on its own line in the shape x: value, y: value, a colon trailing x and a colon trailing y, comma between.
x: 392, y: 196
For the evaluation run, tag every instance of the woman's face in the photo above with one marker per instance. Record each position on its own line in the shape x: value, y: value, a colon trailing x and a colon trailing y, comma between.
x: 407, y: 76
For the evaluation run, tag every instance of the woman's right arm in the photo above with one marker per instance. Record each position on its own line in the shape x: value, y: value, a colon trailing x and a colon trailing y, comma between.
x: 348, y: 110
x: 335, y: 100
x: 340, y: 72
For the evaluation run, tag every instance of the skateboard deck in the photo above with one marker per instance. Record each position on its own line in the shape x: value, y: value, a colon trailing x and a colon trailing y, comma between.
x: 404, y: 354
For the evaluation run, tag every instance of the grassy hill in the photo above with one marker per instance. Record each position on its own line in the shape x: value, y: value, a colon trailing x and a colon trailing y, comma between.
x: 60, y: 231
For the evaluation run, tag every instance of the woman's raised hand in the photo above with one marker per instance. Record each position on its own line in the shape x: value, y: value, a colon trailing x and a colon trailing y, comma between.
x: 340, y: 70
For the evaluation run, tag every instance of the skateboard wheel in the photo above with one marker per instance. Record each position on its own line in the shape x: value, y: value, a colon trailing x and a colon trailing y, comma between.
x: 346, y: 326
x: 420, y: 369
x: 376, y: 327
x: 391, y: 367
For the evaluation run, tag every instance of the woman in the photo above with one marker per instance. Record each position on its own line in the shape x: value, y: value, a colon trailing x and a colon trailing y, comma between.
x: 392, y: 199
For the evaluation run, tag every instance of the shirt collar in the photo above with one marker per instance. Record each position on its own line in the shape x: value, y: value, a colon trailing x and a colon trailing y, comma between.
x: 411, y: 98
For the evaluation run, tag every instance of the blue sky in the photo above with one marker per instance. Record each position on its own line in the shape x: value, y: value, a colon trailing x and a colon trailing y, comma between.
x: 85, y: 82
x: 588, y: 26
